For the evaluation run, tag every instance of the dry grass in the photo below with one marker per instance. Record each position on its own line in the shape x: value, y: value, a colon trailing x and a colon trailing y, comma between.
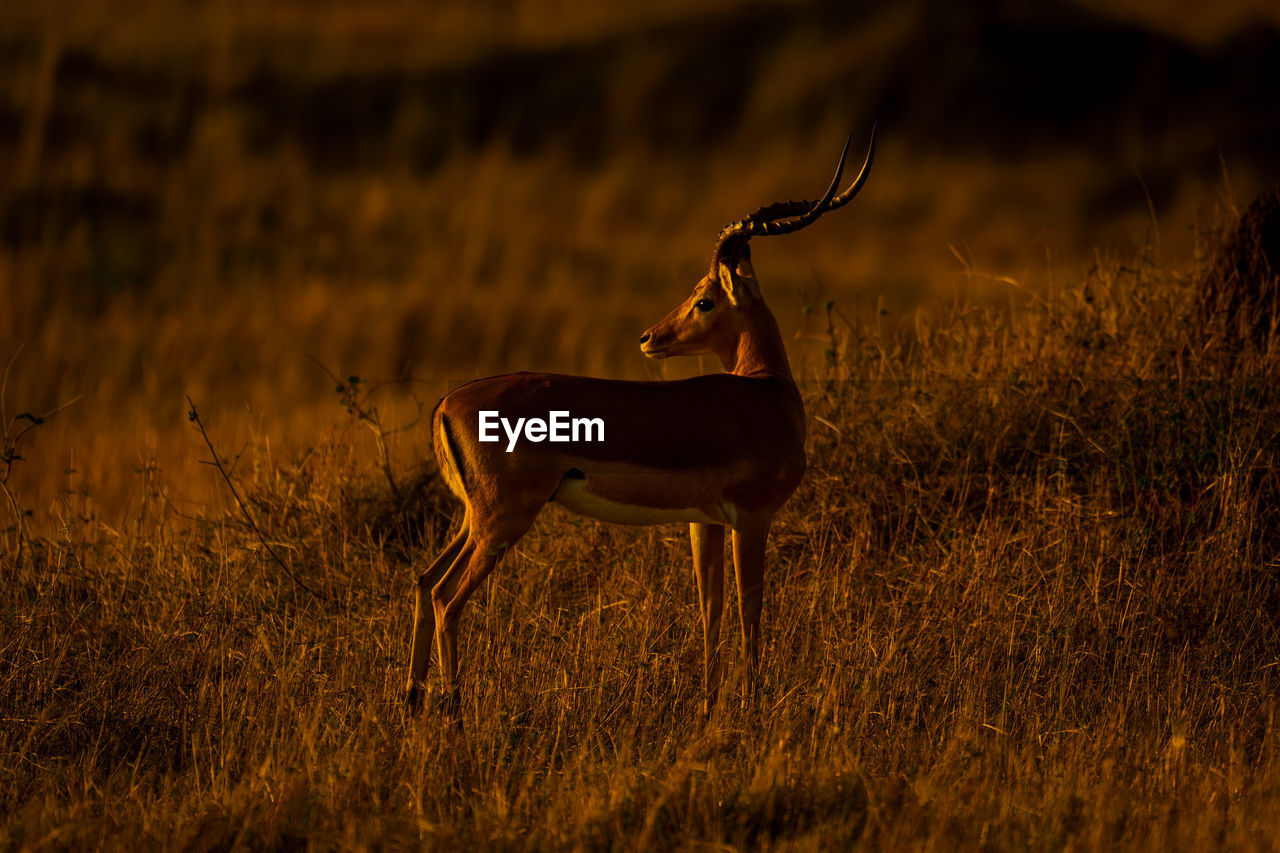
x: 1027, y: 595
x: 203, y: 198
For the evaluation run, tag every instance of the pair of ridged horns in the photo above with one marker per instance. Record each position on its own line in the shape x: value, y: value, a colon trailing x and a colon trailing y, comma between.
x: 786, y: 216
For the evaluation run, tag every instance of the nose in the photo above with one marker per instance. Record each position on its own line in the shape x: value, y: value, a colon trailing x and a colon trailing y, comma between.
x: 644, y: 339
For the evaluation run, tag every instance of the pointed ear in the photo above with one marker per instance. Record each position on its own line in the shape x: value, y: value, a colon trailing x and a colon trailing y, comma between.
x: 738, y: 288
x: 726, y: 282
x: 746, y: 276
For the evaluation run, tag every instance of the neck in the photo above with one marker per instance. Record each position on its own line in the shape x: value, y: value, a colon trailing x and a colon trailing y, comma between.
x: 758, y: 348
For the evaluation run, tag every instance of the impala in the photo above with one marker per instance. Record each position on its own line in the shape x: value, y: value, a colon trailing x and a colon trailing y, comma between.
x: 720, y: 451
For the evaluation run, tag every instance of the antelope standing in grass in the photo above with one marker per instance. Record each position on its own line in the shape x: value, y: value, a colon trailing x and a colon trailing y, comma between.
x: 716, y: 452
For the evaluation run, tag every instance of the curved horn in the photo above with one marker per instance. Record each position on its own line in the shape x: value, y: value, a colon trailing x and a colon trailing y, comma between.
x: 787, y: 209
x: 788, y: 216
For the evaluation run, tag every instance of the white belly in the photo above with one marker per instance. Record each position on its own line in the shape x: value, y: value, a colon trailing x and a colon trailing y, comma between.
x: 574, y: 496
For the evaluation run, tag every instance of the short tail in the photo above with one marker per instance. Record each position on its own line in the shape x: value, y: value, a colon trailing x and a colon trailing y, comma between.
x: 447, y: 455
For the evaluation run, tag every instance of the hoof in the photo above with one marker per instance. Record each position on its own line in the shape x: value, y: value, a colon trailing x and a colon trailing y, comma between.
x: 450, y: 703
x: 450, y: 707
x: 413, y: 699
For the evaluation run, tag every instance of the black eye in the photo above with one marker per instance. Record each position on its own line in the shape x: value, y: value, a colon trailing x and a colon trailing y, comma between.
x: 704, y: 305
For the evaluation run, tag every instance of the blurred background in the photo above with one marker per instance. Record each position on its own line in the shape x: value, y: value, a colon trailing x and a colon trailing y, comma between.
x: 217, y: 198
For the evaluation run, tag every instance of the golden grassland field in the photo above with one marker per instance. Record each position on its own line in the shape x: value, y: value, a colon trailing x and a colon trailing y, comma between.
x: 208, y: 199
x: 1027, y: 595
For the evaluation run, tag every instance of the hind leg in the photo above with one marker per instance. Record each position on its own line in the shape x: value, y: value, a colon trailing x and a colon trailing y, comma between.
x: 449, y: 597
x: 492, y: 534
x: 424, y: 614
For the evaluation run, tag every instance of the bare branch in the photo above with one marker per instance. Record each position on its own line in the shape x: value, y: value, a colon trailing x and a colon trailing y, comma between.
x: 10, y: 438
x: 194, y: 417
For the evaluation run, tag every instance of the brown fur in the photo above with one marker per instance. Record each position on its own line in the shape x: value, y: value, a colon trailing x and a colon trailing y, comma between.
x: 715, y: 451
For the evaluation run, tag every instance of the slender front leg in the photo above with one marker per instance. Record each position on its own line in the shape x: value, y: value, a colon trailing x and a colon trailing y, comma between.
x: 424, y: 615
x: 749, y: 540
x: 708, y: 567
